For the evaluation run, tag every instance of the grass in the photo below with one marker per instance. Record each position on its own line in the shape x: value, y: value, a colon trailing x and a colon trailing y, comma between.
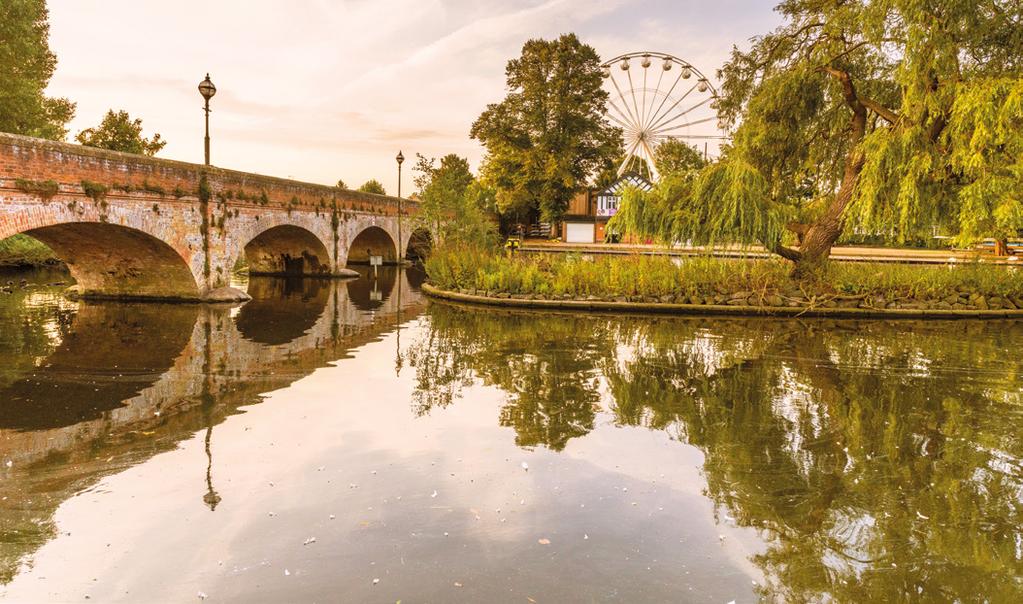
x: 22, y: 250
x: 561, y: 275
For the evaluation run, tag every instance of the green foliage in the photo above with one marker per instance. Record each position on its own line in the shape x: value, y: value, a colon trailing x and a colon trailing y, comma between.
x: 373, y: 186
x: 94, y: 190
x: 26, y: 66
x: 466, y: 266
x: 118, y: 132
x: 45, y: 189
x: 894, y: 115
x: 22, y: 250
x: 341, y: 184
x: 453, y: 204
x: 985, y: 135
x: 549, y: 135
x: 673, y: 156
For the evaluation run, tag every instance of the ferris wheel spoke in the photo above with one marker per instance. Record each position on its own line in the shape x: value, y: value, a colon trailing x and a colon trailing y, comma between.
x: 663, y: 114
x: 668, y: 95
x: 665, y: 121
x: 628, y: 156
x: 615, y: 119
x: 653, y: 98
x: 685, y: 125
x: 642, y: 107
x: 621, y: 95
x: 626, y: 121
x: 632, y: 90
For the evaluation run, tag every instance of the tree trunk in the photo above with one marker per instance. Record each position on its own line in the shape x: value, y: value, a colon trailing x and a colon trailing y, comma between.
x: 817, y: 239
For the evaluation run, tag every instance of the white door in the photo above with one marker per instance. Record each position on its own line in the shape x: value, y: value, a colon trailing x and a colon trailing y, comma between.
x: 579, y: 232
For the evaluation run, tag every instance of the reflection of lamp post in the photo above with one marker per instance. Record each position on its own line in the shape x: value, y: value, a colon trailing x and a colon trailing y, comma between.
x: 210, y: 498
x: 207, y: 90
x: 400, y: 159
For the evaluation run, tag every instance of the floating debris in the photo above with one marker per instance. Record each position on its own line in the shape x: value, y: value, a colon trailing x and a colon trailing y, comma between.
x: 525, y: 466
x: 202, y: 595
x: 434, y: 494
x: 375, y: 581
x: 309, y: 540
x: 332, y: 516
x: 544, y: 541
x: 287, y: 573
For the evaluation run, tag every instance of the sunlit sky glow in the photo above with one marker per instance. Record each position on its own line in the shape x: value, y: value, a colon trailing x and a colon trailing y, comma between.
x: 324, y: 89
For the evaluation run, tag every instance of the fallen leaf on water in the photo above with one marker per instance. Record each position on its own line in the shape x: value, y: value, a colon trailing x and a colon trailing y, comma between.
x: 457, y: 584
x: 544, y: 542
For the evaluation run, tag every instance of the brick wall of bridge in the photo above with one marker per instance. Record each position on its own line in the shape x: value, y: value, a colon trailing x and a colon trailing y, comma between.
x: 203, y: 216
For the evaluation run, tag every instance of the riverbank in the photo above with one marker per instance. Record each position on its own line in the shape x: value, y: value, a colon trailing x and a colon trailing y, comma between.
x: 840, y: 253
x: 710, y: 285
x: 21, y: 251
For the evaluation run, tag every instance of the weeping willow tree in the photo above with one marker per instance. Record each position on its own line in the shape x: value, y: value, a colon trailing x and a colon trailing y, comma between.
x: 877, y: 113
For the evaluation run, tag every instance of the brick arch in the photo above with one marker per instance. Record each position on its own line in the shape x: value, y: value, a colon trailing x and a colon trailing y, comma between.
x: 372, y: 240
x: 110, y: 260
x: 419, y: 243
x: 284, y: 245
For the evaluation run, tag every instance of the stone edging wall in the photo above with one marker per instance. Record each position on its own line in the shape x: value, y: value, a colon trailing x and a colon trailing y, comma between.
x: 713, y: 309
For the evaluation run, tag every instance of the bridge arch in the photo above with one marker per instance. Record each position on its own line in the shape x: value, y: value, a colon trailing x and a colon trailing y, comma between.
x: 288, y: 250
x: 419, y: 245
x: 372, y: 241
x: 110, y: 260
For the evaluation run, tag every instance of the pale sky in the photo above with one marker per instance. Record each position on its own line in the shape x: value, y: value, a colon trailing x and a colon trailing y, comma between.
x: 318, y: 90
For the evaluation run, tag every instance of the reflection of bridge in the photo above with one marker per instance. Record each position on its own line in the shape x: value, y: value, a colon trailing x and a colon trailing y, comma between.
x: 138, y: 227
x: 125, y: 368
x: 131, y: 381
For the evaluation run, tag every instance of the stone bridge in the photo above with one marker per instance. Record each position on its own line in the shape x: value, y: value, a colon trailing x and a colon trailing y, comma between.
x: 137, y: 227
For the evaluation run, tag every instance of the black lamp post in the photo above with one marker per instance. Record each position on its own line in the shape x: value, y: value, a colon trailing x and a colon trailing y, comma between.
x: 400, y: 159
x: 207, y: 90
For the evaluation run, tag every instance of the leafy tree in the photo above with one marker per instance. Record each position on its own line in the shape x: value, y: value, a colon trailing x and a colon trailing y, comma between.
x: 452, y: 203
x: 373, y: 186
x: 341, y: 184
x: 118, y: 132
x: 673, y: 156
x: 985, y: 135
x: 26, y: 66
x: 550, y: 134
x: 842, y: 114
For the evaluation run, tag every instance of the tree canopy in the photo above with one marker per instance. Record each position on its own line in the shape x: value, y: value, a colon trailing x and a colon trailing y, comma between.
x: 892, y: 115
x: 453, y: 205
x: 118, y: 132
x: 373, y: 186
x: 26, y: 66
x: 549, y: 135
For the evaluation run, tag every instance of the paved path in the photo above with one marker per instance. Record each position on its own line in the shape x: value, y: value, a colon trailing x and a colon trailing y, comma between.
x: 840, y: 253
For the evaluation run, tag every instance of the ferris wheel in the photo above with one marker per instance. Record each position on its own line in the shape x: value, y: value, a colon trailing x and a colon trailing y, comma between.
x: 655, y: 97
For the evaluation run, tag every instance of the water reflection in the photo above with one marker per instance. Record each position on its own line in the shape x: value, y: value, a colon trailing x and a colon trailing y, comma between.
x: 90, y: 389
x: 875, y: 459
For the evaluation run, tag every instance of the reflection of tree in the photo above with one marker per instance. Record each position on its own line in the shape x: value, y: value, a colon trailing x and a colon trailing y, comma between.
x: 873, y: 464
x: 552, y: 384
x: 876, y: 459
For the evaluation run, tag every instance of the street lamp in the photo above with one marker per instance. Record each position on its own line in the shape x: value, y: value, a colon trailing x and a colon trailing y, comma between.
x: 400, y: 159
x: 207, y: 90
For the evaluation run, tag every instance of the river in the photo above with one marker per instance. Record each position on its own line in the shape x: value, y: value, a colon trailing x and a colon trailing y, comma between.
x: 352, y: 442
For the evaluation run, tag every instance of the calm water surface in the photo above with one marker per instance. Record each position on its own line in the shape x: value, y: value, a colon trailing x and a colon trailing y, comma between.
x: 348, y: 442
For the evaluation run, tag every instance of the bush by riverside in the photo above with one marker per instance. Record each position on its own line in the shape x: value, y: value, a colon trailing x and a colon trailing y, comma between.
x: 24, y: 251
x: 707, y: 280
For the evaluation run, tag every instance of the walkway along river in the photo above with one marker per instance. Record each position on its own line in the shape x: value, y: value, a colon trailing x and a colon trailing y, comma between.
x: 348, y: 441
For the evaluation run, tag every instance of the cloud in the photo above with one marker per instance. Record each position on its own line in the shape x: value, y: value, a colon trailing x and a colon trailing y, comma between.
x: 319, y: 89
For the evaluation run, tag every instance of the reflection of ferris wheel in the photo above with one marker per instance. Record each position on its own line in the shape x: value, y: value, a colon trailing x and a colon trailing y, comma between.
x: 655, y: 97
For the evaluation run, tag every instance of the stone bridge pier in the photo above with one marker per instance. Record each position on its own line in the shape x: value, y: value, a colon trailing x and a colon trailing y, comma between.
x: 137, y: 227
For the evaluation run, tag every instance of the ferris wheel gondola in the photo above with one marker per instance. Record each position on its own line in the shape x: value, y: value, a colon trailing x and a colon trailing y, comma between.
x: 668, y: 99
